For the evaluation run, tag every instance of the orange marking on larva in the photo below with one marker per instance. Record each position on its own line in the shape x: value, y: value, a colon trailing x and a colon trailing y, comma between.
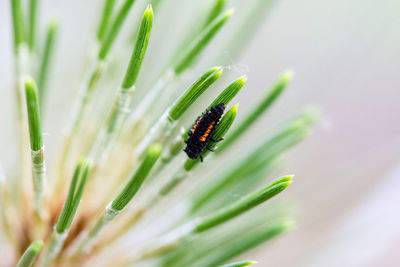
x: 195, y: 126
x: 205, y: 135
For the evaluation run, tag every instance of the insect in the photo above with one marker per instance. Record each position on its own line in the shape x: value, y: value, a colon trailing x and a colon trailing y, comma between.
x: 201, y: 132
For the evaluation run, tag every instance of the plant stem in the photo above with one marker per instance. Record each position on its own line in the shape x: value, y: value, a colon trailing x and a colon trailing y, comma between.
x: 149, y: 99
x: 114, y: 124
x: 174, y: 148
x: 39, y: 180
x: 53, y: 248
x: 86, y: 244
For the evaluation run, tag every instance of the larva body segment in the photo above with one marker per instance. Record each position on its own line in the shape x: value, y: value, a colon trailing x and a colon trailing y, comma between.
x: 201, y: 131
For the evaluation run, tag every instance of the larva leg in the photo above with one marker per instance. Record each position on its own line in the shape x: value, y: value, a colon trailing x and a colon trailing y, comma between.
x: 210, y: 149
x: 216, y: 141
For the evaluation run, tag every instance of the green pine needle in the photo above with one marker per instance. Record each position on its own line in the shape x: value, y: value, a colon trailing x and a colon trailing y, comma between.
x: 213, y: 11
x: 246, y: 242
x: 239, y: 264
x: 36, y: 143
x: 33, y: 4
x: 166, y: 123
x: 258, y: 110
x: 216, y: 10
x: 123, y: 199
x: 114, y: 29
x: 76, y: 188
x: 18, y: 23
x: 105, y: 18
x: 47, y: 55
x: 134, y: 184
x: 229, y: 92
x: 155, y: 3
x: 246, y: 203
x: 140, y: 49
x: 33, y: 107
x: 247, y: 30
x: 224, y: 214
x: 30, y: 254
x: 194, y: 92
x: 255, y: 160
x: 225, y: 96
x: 188, y: 56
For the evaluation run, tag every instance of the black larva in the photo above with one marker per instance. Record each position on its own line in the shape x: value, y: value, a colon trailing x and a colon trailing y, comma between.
x: 201, y: 132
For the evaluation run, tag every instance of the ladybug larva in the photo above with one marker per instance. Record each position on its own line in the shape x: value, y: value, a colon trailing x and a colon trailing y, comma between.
x: 201, y: 132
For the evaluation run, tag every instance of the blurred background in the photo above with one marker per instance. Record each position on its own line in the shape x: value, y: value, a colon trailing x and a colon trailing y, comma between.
x: 346, y: 59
